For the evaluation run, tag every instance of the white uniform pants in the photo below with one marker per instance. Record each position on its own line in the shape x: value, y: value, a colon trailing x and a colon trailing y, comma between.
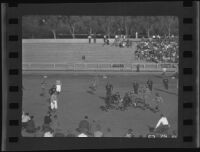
x: 58, y: 88
x: 54, y: 105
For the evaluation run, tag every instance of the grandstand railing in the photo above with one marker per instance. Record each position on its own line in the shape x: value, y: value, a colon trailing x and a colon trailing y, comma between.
x: 100, y: 66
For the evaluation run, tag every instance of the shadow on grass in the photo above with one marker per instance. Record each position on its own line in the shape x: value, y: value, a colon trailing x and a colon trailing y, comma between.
x: 90, y: 92
x: 103, y: 98
x: 173, y: 93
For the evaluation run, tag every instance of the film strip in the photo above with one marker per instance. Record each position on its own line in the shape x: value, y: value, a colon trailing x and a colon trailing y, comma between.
x: 187, y: 83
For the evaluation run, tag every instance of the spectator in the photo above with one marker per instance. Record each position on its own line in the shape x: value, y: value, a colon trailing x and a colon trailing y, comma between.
x: 163, y: 125
x: 138, y: 67
x: 98, y: 132
x: 30, y: 128
x: 104, y: 39
x: 174, y: 134
x: 70, y: 134
x: 89, y: 38
x: 136, y: 35
x: 25, y: 119
x: 151, y: 133
x: 83, y: 133
x: 158, y: 50
x: 108, y: 134
x: 129, y: 133
x: 49, y: 133
x: 58, y: 134
x: 94, y: 37
x: 84, y: 125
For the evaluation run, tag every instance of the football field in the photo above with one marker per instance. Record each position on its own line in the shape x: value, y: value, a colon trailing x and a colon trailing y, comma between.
x: 76, y: 101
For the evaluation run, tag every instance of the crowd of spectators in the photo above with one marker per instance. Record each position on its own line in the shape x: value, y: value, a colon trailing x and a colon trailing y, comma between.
x: 158, y: 49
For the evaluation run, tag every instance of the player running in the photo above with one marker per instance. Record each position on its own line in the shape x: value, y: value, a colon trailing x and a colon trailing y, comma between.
x: 43, y: 86
x: 53, y: 102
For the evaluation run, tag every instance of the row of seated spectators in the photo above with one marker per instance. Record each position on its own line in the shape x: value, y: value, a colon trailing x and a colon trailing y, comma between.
x: 50, y: 128
x: 158, y: 50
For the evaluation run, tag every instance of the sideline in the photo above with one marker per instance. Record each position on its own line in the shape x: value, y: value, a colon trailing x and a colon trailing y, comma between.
x: 94, y: 72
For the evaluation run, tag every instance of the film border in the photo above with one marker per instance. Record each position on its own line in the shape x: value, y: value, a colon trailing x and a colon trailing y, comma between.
x: 186, y: 125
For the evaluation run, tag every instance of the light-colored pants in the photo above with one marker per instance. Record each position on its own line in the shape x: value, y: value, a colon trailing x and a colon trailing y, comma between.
x: 54, y: 105
x: 58, y: 88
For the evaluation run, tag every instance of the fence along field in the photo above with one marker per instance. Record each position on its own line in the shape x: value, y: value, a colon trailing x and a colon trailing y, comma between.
x: 66, y: 54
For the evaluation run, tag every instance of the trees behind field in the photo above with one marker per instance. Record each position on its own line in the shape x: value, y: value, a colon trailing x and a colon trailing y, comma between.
x: 82, y: 26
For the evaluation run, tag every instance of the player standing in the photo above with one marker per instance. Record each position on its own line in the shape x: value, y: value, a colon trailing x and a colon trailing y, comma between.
x: 109, y: 88
x: 43, y: 86
x: 135, y: 87
x: 58, y: 86
x: 150, y: 84
x: 166, y: 83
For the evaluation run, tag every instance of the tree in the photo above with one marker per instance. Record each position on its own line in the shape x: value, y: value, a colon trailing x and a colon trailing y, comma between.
x: 109, y: 25
x: 71, y: 22
x: 148, y: 23
x: 52, y: 23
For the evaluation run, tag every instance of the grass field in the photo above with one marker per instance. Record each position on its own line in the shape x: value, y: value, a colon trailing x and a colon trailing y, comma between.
x: 75, y: 102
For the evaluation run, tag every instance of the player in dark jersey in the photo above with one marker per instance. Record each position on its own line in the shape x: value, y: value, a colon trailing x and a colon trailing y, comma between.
x: 135, y: 87
x: 109, y: 88
x: 166, y: 83
x: 52, y: 90
x: 150, y: 84
x: 43, y: 86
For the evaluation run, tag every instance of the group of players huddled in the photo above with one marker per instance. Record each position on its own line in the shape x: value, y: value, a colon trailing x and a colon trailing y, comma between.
x: 138, y: 97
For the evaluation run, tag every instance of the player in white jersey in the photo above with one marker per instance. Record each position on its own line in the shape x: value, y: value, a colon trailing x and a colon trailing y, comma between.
x: 58, y: 86
x: 163, y: 125
x: 53, y: 102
